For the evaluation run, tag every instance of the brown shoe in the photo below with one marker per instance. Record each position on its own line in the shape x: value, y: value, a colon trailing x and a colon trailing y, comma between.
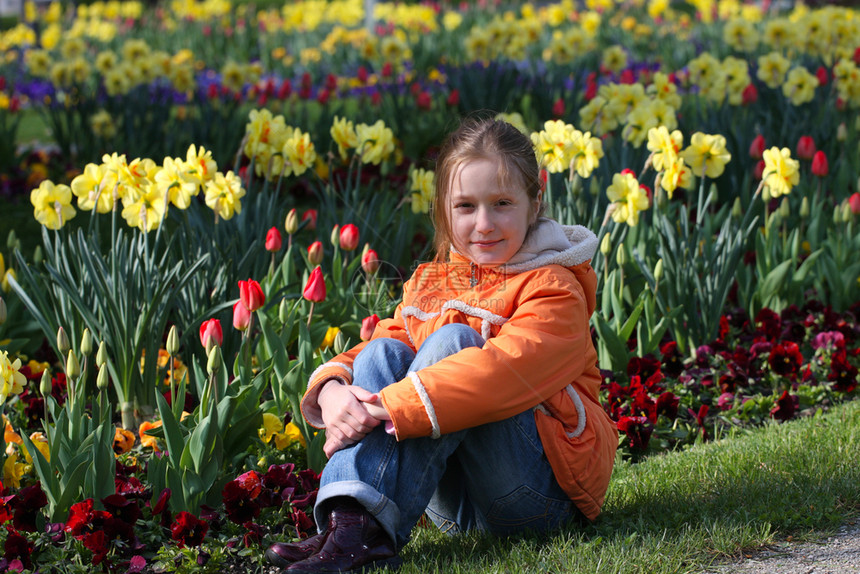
x: 282, y: 554
x: 355, y: 543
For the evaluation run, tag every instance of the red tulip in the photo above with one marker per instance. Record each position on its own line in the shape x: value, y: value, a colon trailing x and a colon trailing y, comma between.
x: 387, y: 70
x: 805, y: 147
x: 285, y: 90
x: 370, y: 262
x: 558, y: 108
x: 241, y: 316
x: 211, y: 329
x: 854, y: 203
x: 759, y: 170
x: 349, y: 237
x: 315, y: 253
x: 424, y: 101
x: 251, y: 294
x: 819, y: 164
x: 749, y: 95
x: 311, y: 217
x: 273, y: 240
x: 822, y: 75
x: 362, y: 75
x: 453, y: 98
x: 314, y: 291
x: 368, y: 324
x: 757, y: 147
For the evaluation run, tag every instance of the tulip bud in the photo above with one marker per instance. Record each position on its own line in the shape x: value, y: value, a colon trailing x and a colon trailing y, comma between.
x: 315, y: 253
x: 172, y: 345
x: 73, y: 369
x: 841, y: 132
x: 854, y: 202
x: 11, y: 240
x: 784, y: 209
x: 45, y: 385
x: 102, y: 379
x: 63, y: 344
x: 2, y: 311
x: 658, y: 270
x: 837, y: 215
x: 339, y: 344
x: 368, y: 324
x: 846, y: 212
x: 348, y: 237
x: 594, y: 187
x: 211, y: 333
x: 335, y: 235
x: 765, y: 194
x: 370, y: 262
x: 291, y: 223
x: 273, y: 240
x: 605, y: 245
x: 820, y: 167
x: 804, y: 208
x: 213, y: 364
x: 241, y: 316
x: 806, y: 147
x: 101, y: 355
x: 86, y: 342
x: 37, y: 255
x: 621, y: 255
x: 737, y: 209
x: 314, y: 290
x: 251, y: 294
x: 713, y: 192
x: 283, y: 311
x: 757, y: 147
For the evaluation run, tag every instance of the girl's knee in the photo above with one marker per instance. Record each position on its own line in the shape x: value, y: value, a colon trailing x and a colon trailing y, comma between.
x: 447, y: 340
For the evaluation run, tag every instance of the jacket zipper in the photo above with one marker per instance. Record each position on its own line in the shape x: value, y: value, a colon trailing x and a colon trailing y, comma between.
x: 474, y: 279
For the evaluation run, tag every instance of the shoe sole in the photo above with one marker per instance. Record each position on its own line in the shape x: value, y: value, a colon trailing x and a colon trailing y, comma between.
x: 393, y: 563
x: 277, y: 560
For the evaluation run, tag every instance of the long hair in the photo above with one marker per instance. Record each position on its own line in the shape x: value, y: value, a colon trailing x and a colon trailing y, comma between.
x: 483, y: 139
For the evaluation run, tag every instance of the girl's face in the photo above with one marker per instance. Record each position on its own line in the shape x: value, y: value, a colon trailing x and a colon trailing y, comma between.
x: 488, y: 224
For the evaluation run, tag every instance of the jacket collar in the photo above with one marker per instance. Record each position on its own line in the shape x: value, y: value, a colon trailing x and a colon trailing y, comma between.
x: 548, y: 243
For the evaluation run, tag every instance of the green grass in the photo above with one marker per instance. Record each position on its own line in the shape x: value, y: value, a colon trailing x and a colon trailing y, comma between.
x: 681, y: 512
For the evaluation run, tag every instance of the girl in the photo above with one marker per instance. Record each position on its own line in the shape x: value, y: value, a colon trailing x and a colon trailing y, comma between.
x: 477, y: 403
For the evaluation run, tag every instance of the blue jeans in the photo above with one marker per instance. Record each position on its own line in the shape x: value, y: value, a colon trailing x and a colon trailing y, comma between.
x: 492, y: 477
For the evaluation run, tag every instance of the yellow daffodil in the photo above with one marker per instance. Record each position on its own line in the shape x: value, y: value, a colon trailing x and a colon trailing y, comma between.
x: 423, y: 188
x: 629, y: 198
x: 375, y: 142
x: 586, y: 152
x: 639, y: 121
x: 298, y: 153
x: 143, y: 206
x: 173, y: 181
x: 594, y: 117
x: 707, y: 155
x: 13, y: 471
x: 800, y: 86
x: 664, y: 147
x: 265, y: 135
x: 52, y: 204
x: 40, y: 441
x: 704, y: 70
x: 94, y: 188
x: 662, y: 88
x: 779, y: 34
x: 103, y: 125
x: 106, y: 61
x: 553, y: 145
x: 223, y: 194
x: 741, y: 35
x: 781, y: 172
x: 343, y: 133
x: 772, y: 68
x: 199, y: 165
x: 676, y: 175
x: 233, y: 76
x: 116, y: 81
x: 515, y: 119
x: 11, y: 380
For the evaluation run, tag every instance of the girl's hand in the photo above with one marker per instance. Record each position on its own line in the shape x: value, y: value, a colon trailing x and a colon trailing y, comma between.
x: 349, y: 413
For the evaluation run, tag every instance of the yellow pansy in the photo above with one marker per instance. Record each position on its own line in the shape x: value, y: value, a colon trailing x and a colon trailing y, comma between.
x: 223, y: 194
x: 707, y: 155
x: 52, y: 204
x: 328, y: 340
x: 629, y: 198
x: 781, y: 172
x: 290, y: 434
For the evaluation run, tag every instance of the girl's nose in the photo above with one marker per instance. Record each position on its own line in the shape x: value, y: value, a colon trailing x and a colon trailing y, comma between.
x: 483, y: 221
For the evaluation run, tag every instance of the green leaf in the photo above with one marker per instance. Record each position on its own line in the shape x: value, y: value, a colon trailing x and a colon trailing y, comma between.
x: 618, y: 354
x: 173, y: 435
x: 773, y: 281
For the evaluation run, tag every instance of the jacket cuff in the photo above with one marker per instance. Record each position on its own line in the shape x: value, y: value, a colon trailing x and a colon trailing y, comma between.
x: 324, y: 373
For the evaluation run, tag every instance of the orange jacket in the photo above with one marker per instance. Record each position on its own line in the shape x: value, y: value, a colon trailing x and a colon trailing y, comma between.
x: 534, y: 315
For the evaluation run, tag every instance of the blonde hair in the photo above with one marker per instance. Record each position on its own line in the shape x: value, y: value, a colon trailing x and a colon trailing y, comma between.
x: 483, y: 139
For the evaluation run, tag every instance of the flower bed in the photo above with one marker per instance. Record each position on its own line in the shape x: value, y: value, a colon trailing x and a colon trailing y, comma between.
x: 153, y: 437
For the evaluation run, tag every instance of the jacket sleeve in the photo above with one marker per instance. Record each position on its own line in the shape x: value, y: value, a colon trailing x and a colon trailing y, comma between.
x: 543, y: 347
x: 339, y: 368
